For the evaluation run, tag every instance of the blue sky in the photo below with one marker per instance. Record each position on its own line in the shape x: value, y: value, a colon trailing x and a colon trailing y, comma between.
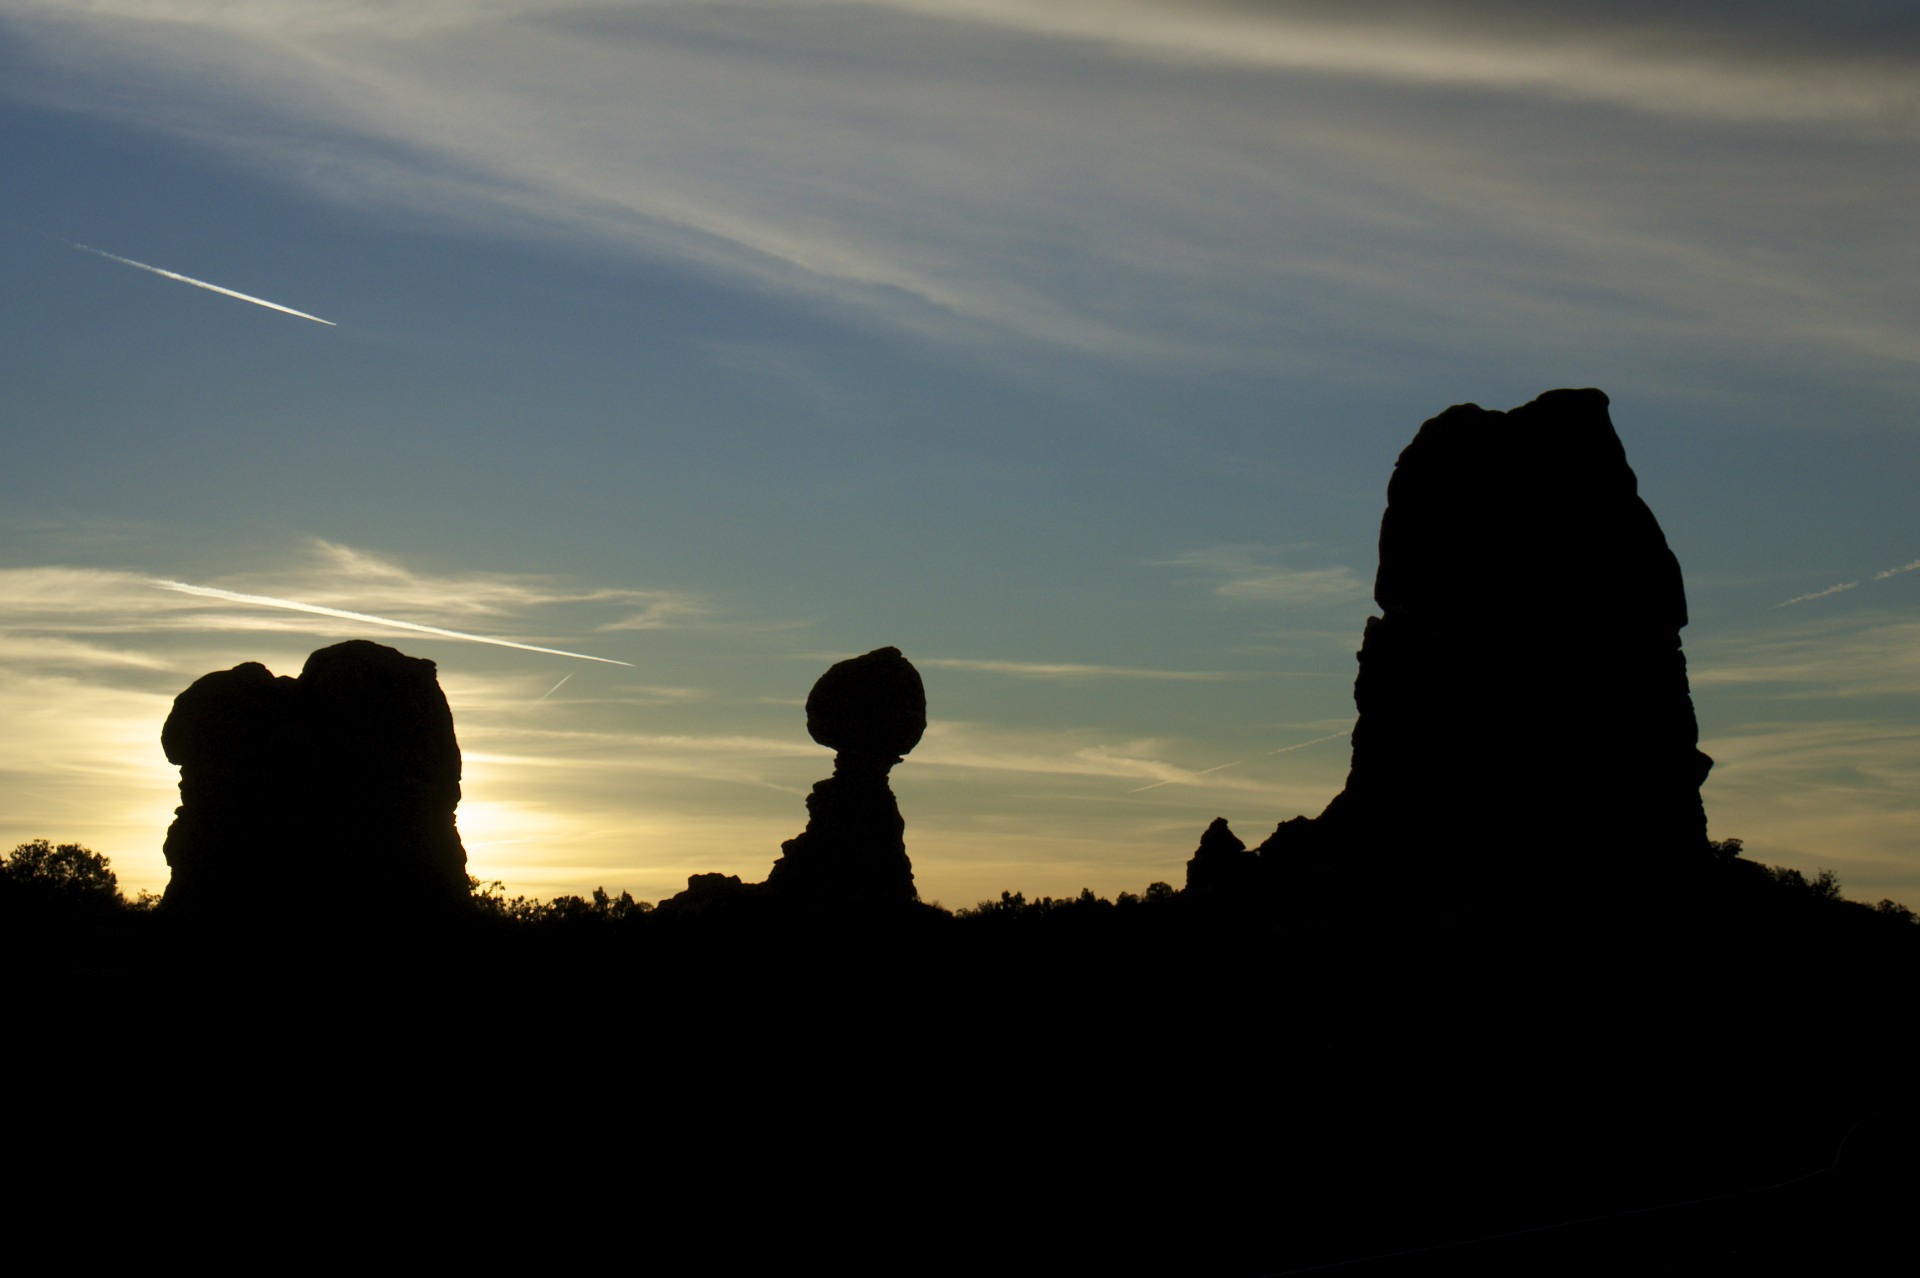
x: 1066, y: 347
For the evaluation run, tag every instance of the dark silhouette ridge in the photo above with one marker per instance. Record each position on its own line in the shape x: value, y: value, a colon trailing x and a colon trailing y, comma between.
x: 1525, y: 676
x: 1143, y: 1087
x: 353, y: 766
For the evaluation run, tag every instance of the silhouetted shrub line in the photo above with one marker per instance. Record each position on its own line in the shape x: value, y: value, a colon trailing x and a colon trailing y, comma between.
x: 69, y: 880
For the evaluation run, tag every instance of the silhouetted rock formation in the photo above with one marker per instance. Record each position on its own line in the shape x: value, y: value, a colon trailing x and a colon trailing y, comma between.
x: 351, y: 767
x: 1524, y: 686
x: 872, y: 710
x: 1221, y: 863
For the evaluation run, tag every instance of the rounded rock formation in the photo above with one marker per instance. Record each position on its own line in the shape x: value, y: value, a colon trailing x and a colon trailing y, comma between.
x: 284, y: 782
x: 873, y: 705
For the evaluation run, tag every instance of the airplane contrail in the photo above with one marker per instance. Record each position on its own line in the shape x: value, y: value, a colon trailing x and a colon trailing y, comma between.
x: 1818, y: 594
x: 1221, y: 767
x: 188, y: 279
x: 294, y: 605
x: 555, y: 688
x: 1331, y: 736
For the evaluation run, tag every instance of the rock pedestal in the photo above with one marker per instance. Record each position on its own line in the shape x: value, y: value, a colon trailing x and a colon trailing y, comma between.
x: 871, y: 710
x: 290, y: 787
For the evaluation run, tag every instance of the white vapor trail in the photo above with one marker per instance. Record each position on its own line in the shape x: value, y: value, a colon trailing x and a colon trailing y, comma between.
x: 270, y: 601
x: 188, y: 279
x: 1818, y: 594
x: 1849, y: 585
x: 555, y: 688
x: 1331, y: 736
x: 1221, y: 767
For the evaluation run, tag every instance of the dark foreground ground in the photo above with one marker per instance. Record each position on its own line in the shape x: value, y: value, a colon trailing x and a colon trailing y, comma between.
x: 1714, y: 1076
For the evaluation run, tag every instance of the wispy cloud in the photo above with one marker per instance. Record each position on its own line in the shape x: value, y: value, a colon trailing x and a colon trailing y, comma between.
x: 333, y: 576
x: 343, y: 614
x: 1895, y: 572
x: 1254, y: 575
x: 60, y: 653
x: 1221, y: 767
x: 1046, y: 757
x: 1689, y: 60
x: 1073, y: 670
x: 1188, y: 777
x: 1052, y: 755
x: 950, y: 193
x: 658, y: 613
x: 1826, y: 656
x: 1678, y: 68
x: 337, y: 575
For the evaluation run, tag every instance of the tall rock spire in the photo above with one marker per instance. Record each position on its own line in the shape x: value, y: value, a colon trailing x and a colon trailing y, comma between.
x: 1523, y: 692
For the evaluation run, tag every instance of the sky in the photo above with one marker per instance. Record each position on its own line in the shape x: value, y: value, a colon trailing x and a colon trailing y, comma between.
x: 1066, y: 347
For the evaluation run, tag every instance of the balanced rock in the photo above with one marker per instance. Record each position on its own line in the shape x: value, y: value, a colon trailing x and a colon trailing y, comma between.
x: 874, y: 706
x: 285, y: 782
x: 1523, y: 693
x: 872, y: 710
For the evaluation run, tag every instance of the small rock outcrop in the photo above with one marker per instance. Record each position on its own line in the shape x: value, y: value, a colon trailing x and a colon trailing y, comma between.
x: 1221, y: 863
x: 1523, y: 693
x: 871, y: 711
x: 286, y: 782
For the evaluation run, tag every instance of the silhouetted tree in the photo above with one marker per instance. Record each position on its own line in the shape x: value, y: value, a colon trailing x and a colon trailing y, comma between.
x: 1009, y: 903
x: 1896, y: 910
x: 490, y: 901
x: 57, y: 904
x: 1825, y: 885
x: 68, y: 875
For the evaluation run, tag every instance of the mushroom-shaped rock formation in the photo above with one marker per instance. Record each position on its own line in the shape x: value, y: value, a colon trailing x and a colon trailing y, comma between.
x: 872, y: 706
x: 283, y: 780
x: 1522, y: 696
x: 872, y: 710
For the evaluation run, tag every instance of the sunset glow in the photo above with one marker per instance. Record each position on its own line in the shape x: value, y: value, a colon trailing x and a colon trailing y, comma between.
x: 684, y: 349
